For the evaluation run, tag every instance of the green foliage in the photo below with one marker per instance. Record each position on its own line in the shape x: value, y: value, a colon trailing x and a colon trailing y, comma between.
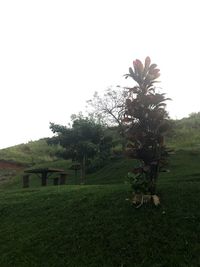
x: 138, y: 182
x: 147, y: 122
x: 84, y: 141
x: 79, y: 140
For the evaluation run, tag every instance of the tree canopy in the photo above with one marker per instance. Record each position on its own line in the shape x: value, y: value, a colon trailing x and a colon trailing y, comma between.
x: 83, y: 141
x: 108, y: 109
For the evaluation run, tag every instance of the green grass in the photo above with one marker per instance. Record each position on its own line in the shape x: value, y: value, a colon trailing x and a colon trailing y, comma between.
x: 33, y: 152
x: 93, y: 225
x: 185, y: 133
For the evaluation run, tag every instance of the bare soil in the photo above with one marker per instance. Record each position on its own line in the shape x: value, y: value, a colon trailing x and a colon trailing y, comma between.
x: 8, y: 165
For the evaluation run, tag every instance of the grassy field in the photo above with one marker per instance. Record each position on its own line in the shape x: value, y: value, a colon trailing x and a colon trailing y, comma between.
x: 94, y: 225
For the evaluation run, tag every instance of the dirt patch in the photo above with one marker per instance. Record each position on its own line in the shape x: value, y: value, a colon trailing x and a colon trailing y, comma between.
x: 8, y: 165
x: 8, y: 169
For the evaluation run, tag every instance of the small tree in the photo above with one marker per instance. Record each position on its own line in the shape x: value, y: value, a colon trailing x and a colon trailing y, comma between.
x: 109, y: 109
x: 82, y: 141
x: 147, y: 123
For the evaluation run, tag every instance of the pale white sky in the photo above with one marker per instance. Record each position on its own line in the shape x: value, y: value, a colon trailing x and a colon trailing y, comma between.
x: 55, y: 54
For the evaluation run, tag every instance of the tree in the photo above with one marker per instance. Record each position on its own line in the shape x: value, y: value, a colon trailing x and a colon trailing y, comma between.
x: 147, y: 122
x: 109, y: 109
x: 82, y: 141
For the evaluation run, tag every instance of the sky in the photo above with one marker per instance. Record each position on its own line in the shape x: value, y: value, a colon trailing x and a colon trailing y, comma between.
x: 55, y: 54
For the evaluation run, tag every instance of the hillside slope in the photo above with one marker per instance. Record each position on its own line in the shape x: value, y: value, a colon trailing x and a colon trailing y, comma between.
x: 31, y: 153
x: 94, y: 225
x: 185, y: 133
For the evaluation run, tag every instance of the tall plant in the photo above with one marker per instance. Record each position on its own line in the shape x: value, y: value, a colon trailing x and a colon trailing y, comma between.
x: 147, y: 123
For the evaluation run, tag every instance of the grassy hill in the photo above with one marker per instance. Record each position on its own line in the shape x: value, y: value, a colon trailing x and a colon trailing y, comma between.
x: 186, y: 133
x: 93, y: 225
x: 31, y: 153
x: 19, y: 157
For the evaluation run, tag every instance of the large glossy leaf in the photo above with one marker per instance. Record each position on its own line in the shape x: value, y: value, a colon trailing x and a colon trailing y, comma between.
x: 147, y: 62
x: 154, y: 71
x: 132, y: 74
x: 140, y: 68
x: 153, y: 66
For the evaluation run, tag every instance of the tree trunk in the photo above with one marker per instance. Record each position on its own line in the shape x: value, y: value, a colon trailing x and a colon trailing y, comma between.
x: 55, y: 181
x: 63, y: 178
x: 154, y: 168
x: 123, y: 140
x: 26, y: 181
x: 83, y: 170
x: 44, y: 179
x: 123, y: 146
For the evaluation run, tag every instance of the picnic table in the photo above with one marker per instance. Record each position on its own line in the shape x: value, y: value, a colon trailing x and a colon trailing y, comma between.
x: 44, y: 174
